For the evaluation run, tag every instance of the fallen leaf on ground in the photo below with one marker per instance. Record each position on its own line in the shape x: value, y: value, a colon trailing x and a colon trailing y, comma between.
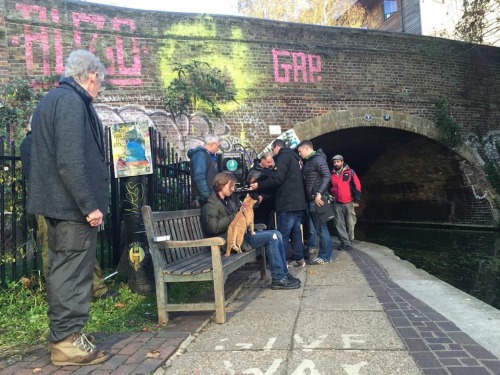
x: 153, y: 354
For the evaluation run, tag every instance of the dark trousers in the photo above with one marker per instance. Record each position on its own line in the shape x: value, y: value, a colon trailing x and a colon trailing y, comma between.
x: 72, y: 249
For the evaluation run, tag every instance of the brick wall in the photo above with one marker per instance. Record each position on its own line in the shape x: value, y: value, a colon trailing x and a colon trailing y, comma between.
x: 284, y: 74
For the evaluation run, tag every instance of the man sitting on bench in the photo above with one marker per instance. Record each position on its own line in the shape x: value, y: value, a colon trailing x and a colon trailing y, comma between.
x: 219, y: 211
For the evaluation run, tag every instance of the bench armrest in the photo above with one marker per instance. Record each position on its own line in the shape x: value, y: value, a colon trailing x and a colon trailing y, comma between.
x: 212, y: 241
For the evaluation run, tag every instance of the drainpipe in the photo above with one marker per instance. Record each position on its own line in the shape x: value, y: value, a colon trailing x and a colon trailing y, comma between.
x: 402, y: 17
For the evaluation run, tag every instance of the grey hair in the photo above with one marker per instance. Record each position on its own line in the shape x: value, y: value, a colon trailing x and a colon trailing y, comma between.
x: 265, y: 155
x: 81, y: 63
x: 211, y: 138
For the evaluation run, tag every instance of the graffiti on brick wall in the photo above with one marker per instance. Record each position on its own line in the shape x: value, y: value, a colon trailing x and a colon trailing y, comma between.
x: 186, y: 132
x: 303, y: 67
x: 485, y: 149
x: 122, y: 70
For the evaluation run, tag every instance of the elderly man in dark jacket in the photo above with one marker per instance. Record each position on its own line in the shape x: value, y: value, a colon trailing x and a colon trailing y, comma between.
x: 203, y: 169
x: 69, y: 186
x: 290, y: 200
x: 316, y: 181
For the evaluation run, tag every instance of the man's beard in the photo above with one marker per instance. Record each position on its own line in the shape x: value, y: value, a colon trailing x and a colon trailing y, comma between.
x: 337, y: 167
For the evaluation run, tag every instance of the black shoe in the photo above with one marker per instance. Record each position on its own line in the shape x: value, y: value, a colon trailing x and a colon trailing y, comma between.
x: 291, y: 277
x: 285, y: 283
x: 110, y: 294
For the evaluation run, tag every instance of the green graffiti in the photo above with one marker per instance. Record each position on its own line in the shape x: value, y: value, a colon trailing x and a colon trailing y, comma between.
x: 200, y: 40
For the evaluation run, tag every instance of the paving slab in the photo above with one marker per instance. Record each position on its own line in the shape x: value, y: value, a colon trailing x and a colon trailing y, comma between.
x: 249, y: 329
x: 324, y: 275
x: 231, y: 363
x: 352, y: 362
x: 340, y: 297
x: 368, y: 330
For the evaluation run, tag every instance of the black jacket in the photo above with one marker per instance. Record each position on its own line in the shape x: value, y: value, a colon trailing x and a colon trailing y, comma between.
x: 286, y: 178
x: 316, y: 175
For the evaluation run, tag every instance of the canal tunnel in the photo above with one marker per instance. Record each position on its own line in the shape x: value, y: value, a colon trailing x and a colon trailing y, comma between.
x: 410, y: 178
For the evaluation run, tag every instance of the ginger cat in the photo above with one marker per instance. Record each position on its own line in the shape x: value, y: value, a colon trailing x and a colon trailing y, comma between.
x: 239, y: 225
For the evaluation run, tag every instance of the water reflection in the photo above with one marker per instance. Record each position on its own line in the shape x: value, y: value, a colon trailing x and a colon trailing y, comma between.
x: 468, y: 260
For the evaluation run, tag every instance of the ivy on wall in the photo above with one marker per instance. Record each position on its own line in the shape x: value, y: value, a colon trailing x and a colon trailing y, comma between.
x: 197, y: 85
x: 449, y: 130
x: 17, y: 102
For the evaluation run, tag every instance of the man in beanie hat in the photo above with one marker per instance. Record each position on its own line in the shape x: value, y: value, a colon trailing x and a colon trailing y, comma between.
x: 346, y: 189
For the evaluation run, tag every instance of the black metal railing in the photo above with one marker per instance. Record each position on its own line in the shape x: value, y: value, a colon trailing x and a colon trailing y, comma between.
x: 168, y: 188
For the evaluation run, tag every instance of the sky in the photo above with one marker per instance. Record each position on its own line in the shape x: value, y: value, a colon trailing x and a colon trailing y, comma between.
x: 228, y: 7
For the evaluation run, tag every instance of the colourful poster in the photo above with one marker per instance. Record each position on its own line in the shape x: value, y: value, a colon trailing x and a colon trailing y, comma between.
x: 131, y: 147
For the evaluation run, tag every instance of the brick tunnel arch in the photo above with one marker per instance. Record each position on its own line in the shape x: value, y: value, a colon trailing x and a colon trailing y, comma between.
x: 407, y: 173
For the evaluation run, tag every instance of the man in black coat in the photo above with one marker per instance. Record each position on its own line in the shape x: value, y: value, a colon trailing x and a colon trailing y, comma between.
x: 69, y: 186
x: 290, y: 201
x: 316, y: 182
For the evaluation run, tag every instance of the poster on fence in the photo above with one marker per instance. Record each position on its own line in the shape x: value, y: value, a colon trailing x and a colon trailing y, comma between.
x: 131, y: 147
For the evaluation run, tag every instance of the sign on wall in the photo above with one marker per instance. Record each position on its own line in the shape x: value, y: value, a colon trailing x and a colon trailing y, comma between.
x: 131, y: 147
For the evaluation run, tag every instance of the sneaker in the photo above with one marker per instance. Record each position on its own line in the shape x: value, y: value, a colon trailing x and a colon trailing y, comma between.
x: 318, y: 261
x: 345, y: 247
x: 91, y: 339
x: 291, y: 277
x: 285, y: 283
x: 297, y: 263
x: 76, y: 350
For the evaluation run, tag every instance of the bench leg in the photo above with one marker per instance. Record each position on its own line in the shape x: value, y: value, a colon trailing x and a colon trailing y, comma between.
x: 220, y: 298
x: 262, y: 263
x: 161, y: 301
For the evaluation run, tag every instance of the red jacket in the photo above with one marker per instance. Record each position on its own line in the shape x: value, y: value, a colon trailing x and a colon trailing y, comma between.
x: 346, y: 186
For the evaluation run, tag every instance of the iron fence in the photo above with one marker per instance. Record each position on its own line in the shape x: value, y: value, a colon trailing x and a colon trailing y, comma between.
x: 167, y: 188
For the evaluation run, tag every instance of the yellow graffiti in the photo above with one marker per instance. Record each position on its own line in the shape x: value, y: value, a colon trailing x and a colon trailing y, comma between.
x: 199, y: 40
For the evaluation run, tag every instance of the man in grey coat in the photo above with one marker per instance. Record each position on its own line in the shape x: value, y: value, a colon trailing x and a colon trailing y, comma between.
x: 69, y: 186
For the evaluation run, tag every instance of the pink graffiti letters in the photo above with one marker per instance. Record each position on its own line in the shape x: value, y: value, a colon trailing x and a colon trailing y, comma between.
x: 121, y: 66
x: 305, y: 66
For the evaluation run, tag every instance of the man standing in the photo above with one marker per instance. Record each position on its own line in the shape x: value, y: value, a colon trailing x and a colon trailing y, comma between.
x: 316, y: 176
x: 203, y: 169
x: 69, y: 186
x: 346, y: 189
x: 290, y: 203
x: 264, y: 208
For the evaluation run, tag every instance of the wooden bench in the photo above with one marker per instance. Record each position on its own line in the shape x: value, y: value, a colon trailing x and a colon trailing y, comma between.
x: 181, y: 253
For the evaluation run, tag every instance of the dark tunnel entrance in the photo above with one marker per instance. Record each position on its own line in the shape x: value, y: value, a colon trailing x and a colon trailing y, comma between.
x: 409, y: 178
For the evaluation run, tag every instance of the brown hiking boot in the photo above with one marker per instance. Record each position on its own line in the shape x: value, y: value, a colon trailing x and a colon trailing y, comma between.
x: 76, y: 350
x: 91, y: 339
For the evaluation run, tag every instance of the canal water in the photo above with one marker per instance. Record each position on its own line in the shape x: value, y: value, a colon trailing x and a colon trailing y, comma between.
x: 467, y: 259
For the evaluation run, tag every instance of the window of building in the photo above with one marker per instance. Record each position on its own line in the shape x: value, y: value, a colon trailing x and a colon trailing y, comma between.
x: 390, y: 7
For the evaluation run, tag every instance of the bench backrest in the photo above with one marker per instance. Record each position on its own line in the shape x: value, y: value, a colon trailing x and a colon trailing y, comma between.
x: 179, y: 225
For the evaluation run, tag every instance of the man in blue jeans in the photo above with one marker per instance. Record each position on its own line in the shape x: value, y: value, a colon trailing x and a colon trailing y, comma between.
x: 316, y: 181
x: 290, y: 201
